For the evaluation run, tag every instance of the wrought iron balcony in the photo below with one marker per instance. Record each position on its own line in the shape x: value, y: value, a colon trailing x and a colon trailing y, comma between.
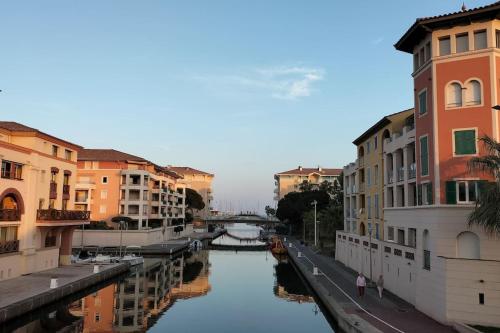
x: 9, y: 246
x: 62, y: 215
x: 10, y: 215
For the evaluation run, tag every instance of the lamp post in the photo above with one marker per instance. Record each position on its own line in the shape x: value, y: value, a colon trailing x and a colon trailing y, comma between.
x: 121, y: 236
x: 370, y: 229
x: 315, y: 203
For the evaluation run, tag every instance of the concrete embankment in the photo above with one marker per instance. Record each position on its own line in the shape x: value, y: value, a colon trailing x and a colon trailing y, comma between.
x: 345, y: 321
x: 27, y: 293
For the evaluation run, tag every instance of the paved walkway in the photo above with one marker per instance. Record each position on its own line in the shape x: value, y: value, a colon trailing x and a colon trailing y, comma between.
x: 28, y: 292
x: 389, y: 314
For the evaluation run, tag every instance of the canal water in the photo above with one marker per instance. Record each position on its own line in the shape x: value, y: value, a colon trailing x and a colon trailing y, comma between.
x: 204, y: 291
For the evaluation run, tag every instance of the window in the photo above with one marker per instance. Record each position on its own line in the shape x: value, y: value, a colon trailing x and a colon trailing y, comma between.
x: 369, y: 206
x: 415, y: 61
x: 12, y: 170
x: 422, y: 102
x: 480, y: 40
x: 52, y: 203
x: 390, y: 233
x: 66, y: 179
x: 375, y: 143
x: 462, y: 41
x: 104, y: 180
x: 425, y: 194
x: 463, y: 191
x: 424, y: 156
x: 97, y: 317
x: 65, y: 204
x: 427, y: 51
x: 473, y: 93
x: 412, y: 237
x: 454, y: 95
x: 104, y: 194
x: 376, y: 206
x: 102, y: 209
x: 465, y: 142
x: 368, y: 177
x: 67, y: 154
x: 497, y: 39
x: 368, y: 147
x: 422, y: 56
x: 375, y: 175
x: 444, y: 46
x: 55, y: 150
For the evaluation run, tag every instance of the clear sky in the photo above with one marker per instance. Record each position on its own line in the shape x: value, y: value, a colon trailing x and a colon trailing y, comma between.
x: 242, y: 89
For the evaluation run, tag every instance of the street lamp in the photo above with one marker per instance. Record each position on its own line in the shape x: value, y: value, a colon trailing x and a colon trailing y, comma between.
x: 315, y: 203
x: 370, y: 230
x: 121, y: 235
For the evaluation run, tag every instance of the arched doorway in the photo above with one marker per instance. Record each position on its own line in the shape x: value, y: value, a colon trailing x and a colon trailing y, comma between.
x: 11, y: 205
x: 362, y: 229
x: 468, y: 246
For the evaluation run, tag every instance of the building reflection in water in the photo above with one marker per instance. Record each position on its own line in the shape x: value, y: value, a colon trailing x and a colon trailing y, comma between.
x: 136, y: 303
x: 288, y: 285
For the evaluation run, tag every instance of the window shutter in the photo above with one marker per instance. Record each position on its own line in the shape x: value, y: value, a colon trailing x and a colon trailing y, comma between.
x: 419, y: 194
x: 451, y: 192
x: 465, y: 142
x: 424, y: 156
x: 429, y: 193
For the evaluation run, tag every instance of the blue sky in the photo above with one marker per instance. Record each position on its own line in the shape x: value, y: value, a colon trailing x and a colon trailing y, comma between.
x: 243, y: 89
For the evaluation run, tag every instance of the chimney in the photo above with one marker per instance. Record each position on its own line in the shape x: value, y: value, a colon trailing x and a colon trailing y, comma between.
x: 300, y: 168
x: 320, y: 169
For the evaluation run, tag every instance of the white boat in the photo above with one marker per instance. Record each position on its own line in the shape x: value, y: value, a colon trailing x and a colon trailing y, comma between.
x: 132, y: 258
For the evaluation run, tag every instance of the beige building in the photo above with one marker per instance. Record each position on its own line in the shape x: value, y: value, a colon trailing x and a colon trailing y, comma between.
x: 289, y: 181
x: 201, y: 182
x: 37, y: 216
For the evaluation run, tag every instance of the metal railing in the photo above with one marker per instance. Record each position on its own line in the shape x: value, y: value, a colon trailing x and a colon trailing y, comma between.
x: 10, y: 215
x: 412, y: 171
x: 62, y: 215
x: 390, y: 177
x: 401, y: 174
x: 9, y: 246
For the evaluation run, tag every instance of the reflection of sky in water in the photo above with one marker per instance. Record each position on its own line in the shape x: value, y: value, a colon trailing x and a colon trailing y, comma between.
x: 242, y: 300
x: 238, y: 234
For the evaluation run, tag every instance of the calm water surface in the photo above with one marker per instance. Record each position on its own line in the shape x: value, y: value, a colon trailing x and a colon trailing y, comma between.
x: 205, y: 291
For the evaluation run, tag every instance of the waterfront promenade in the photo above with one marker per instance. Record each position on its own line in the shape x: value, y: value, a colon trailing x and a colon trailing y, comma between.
x: 29, y: 292
x: 389, y: 314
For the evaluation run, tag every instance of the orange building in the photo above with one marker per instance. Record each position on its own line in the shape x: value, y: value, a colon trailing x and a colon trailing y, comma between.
x: 37, y: 218
x: 112, y: 183
x: 98, y: 310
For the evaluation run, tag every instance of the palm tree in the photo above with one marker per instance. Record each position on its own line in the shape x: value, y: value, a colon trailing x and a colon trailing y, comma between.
x: 487, y: 211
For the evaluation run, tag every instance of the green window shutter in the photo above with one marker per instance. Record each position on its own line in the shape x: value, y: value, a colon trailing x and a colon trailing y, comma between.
x: 465, y: 142
x: 419, y: 194
x: 451, y: 192
x: 482, y: 186
x: 430, y: 197
x: 424, y: 156
x: 422, y: 103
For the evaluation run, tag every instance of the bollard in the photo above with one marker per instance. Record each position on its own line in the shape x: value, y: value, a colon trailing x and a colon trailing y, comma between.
x: 284, y: 239
x: 315, y: 270
x: 289, y: 244
x: 96, y: 268
x: 53, y: 283
x: 299, y: 254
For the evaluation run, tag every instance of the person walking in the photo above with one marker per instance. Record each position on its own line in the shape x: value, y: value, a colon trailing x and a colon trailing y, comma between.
x: 380, y: 285
x: 361, y: 284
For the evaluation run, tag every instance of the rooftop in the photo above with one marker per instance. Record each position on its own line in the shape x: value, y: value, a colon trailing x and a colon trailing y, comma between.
x: 184, y: 170
x: 107, y: 155
x: 20, y: 129
x: 307, y: 171
x: 424, y: 25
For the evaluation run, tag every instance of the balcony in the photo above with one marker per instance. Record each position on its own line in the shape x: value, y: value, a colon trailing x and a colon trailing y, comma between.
x: 401, y: 174
x: 412, y: 171
x: 9, y: 246
x: 62, y: 215
x: 390, y: 177
x: 10, y: 215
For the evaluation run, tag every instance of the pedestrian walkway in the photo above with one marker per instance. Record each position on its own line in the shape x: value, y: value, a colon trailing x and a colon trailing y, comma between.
x: 389, y: 314
x: 25, y: 293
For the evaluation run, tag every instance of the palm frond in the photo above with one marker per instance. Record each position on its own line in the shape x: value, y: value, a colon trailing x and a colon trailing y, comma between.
x: 492, y: 146
x: 489, y: 164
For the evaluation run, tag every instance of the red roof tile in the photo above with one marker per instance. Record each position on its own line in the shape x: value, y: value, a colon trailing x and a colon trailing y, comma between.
x: 107, y: 155
x: 12, y: 126
x: 188, y: 171
x: 308, y: 171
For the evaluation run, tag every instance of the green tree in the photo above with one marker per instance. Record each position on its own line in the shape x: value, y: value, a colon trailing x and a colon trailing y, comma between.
x: 305, y: 186
x: 292, y: 207
x: 194, y: 200
x: 270, y: 212
x: 487, y: 211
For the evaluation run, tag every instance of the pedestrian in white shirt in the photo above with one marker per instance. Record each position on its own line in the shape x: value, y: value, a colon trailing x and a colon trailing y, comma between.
x: 361, y: 284
x: 380, y: 285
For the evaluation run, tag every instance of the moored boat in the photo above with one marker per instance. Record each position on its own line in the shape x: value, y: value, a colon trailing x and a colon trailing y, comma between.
x: 277, y: 246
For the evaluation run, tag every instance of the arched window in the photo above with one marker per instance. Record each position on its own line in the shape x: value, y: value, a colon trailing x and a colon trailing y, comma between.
x: 454, y: 95
x: 468, y: 245
x: 473, y: 93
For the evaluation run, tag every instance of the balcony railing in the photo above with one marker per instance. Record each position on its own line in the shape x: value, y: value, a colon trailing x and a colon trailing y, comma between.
x: 412, y: 171
x: 62, y: 215
x: 9, y: 246
x: 401, y: 174
x: 10, y: 215
x: 390, y: 177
